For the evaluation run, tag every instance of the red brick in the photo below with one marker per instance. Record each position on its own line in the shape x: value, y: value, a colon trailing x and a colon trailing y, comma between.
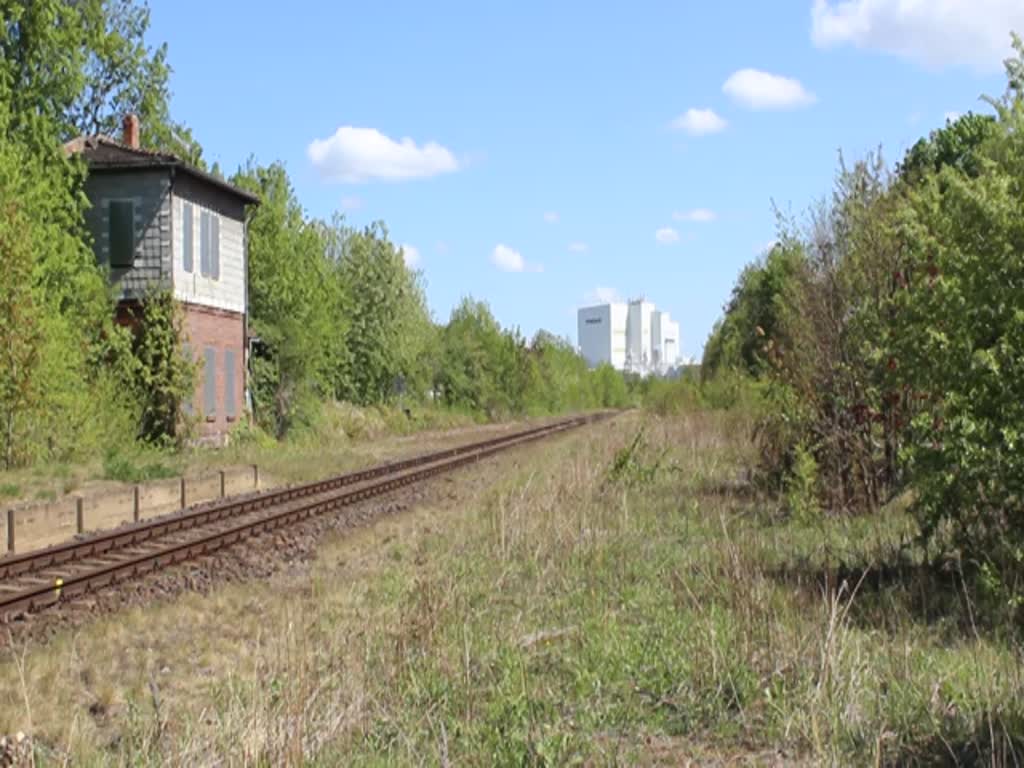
x: 220, y: 329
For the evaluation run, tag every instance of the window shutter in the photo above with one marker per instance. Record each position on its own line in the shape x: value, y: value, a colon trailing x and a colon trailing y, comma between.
x: 215, y: 246
x: 121, y: 234
x: 204, y: 243
x: 187, y: 237
x: 210, y: 382
x: 229, y: 383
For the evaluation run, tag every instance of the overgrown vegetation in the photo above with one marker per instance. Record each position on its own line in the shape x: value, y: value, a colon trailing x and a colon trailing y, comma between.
x: 887, y: 334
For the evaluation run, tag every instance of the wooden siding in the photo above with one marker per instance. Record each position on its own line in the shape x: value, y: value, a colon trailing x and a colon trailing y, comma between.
x: 150, y: 193
x: 228, y: 291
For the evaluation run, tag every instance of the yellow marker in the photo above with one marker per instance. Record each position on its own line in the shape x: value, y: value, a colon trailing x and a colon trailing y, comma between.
x: 57, y: 584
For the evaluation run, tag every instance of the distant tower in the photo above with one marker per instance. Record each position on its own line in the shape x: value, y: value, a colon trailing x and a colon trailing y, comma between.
x: 631, y: 336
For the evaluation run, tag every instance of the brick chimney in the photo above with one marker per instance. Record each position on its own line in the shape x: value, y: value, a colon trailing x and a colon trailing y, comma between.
x: 130, y: 125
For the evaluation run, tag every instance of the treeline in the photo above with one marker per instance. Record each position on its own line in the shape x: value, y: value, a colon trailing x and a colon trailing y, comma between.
x: 337, y: 313
x: 888, y: 332
x: 339, y: 316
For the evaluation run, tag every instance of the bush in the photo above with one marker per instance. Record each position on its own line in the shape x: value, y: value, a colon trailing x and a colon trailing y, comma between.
x: 802, y: 487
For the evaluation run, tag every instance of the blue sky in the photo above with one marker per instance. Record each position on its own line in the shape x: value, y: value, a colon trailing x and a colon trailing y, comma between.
x: 541, y: 155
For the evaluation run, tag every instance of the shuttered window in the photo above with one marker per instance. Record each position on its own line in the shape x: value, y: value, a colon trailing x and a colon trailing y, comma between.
x: 188, y: 226
x: 210, y: 382
x: 215, y: 246
x: 229, y: 384
x: 121, y: 233
x: 209, y: 245
x: 204, y: 243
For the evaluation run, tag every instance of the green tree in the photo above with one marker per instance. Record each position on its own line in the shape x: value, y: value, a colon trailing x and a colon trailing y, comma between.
x: 390, y: 324
x: 471, y: 350
x: 79, y: 67
x: 294, y: 302
x: 64, y: 354
x: 751, y: 329
x: 955, y: 146
x: 958, y: 347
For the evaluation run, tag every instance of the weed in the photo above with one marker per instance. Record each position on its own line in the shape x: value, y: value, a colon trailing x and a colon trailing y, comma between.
x: 629, y: 468
x: 802, y: 486
x: 136, y: 467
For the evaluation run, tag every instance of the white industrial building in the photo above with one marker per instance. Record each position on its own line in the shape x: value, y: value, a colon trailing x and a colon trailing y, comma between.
x: 633, y: 337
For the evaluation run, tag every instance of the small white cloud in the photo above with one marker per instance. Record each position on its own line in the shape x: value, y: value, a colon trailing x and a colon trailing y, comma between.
x: 700, y: 122
x: 698, y: 215
x: 411, y: 254
x: 940, y: 33
x: 351, y: 203
x: 551, y: 217
x: 362, y: 154
x: 755, y: 89
x: 765, y: 248
x: 510, y: 260
x: 952, y: 117
x: 578, y: 247
x: 602, y: 295
x: 666, y: 236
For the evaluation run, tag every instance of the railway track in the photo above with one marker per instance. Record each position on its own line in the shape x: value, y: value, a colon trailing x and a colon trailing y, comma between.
x: 35, y: 580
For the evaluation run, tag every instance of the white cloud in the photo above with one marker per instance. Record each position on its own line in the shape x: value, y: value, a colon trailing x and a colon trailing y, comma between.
x: 602, y: 295
x: 755, y: 89
x: 698, y: 215
x: 411, y: 254
x: 578, y: 247
x: 362, y: 154
x: 700, y: 122
x: 351, y: 203
x: 935, y: 33
x: 666, y: 236
x: 765, y: 248
x: 953, y: 116
x: 551, y: 217
x: 510, y: 260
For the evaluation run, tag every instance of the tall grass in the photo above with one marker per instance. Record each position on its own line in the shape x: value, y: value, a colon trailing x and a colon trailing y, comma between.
x: 612, y: 600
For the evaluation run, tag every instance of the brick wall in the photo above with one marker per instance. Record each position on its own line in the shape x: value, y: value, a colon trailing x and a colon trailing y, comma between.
x: 212, y: 334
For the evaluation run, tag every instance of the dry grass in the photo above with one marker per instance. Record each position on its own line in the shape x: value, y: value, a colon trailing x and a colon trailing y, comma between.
x: 546, y: 616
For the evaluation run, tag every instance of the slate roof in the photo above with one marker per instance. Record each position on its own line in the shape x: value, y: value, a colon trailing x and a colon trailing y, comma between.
x: 104, y: 153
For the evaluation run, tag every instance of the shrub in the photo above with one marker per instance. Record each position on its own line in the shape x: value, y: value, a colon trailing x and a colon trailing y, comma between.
x: 802, y: 486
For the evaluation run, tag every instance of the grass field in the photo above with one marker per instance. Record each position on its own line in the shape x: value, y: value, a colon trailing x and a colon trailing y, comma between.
x: 602, y: 599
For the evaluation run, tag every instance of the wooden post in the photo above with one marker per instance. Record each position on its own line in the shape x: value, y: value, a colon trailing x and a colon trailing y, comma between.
x: 10, y: 530
x: 135, y: 504
x: 79, y: 515
x: 183, y: 497
x: 222, y: 484
x: 256, y: 476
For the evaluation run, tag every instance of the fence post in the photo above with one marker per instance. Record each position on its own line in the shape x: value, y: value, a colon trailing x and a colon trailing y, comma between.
x: 10, y: 530
x: 222, y: 484
x: 135, y: 504
x: 256, y: 476
x: 79, y: 515
x: 183, y: 497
